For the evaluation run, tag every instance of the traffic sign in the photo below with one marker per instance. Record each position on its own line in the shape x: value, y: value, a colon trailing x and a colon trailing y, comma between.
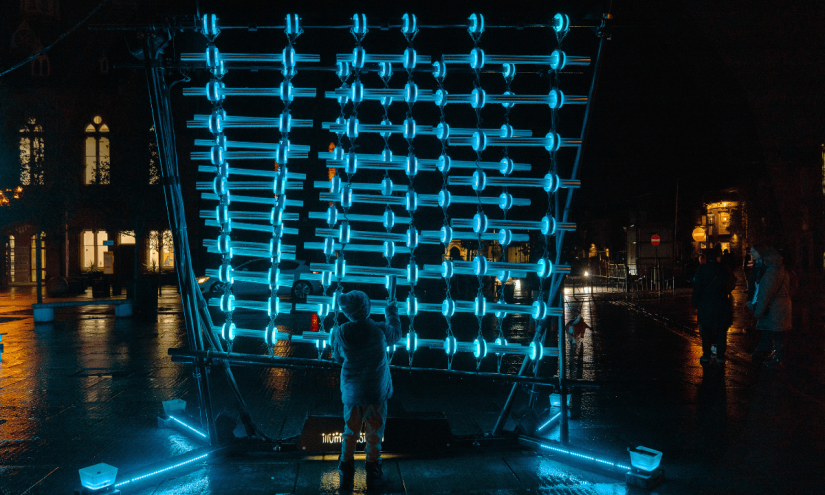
x: 655, y: 240
x: 108, y: 243
x: 699, y: 234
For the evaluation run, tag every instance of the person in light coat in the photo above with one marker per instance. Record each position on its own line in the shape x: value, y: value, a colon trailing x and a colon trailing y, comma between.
x: 361, y: 346
x: 773, y: 309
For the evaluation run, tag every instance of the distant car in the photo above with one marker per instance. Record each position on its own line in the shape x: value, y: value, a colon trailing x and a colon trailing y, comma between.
x: 212, y: 287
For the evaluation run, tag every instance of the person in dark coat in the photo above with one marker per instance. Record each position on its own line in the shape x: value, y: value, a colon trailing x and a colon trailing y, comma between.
x: 712, y: 298
x: 773, y: 309
x: 756, y: 273
x: 361, y: 346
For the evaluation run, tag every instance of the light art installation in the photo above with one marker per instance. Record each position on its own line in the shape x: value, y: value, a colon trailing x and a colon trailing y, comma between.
x: 223, y: 186
x: 354, y: 221
x: 349, y: 197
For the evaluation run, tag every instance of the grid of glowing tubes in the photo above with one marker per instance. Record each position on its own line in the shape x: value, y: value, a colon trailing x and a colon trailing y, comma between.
x: 224, y: 186
x: 354, y: 221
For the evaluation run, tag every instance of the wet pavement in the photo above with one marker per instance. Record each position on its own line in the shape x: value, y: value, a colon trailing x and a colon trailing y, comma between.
x: 88, y: 388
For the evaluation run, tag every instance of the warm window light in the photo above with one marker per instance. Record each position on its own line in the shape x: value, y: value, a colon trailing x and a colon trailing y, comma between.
x: 586, y: 274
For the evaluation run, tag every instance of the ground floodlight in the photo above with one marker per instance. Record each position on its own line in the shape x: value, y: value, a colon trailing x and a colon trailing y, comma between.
x: 98, y: 477
x: 173, y: 406
x: 644, y: 459
x: 555, y: 400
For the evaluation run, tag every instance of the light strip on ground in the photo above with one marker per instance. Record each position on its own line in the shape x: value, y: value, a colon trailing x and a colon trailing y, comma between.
x: 160, y: 471
x: 548, y: 422
x: 589, y: 458
x: 191, y: 428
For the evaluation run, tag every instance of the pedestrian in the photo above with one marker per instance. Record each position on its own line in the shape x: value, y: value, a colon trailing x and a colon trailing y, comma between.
x: 747, y: 266
x: 728, y: 259
x: 772, y: 308
x: 712, y: 298
x: 756, y: 273
x: 361, y: 346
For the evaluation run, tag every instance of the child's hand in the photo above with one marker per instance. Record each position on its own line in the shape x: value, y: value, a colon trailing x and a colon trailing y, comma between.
x: 392, y: 303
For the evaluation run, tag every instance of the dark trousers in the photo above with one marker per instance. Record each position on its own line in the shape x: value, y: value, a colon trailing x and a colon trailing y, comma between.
x: 714, y: 335
x: 770, y: 339
x: 374, y: 419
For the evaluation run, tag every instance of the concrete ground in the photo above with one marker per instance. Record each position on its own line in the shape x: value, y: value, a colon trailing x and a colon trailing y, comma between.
x: 88, y: 388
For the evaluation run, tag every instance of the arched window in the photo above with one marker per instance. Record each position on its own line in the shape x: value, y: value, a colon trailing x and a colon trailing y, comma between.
x: 40, y: 66
x: 42, y: 257
x: 97, y: 153
x: 160, y: 253
x: 154, y: 169
x: 31, y: 154
x: 104, y: 64
x: 10, y: 258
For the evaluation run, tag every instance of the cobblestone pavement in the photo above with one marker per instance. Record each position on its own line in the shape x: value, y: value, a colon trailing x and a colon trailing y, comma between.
x: 88, y: 388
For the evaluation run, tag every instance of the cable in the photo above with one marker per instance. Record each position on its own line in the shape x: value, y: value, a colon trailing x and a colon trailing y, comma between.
x: 60, y: 38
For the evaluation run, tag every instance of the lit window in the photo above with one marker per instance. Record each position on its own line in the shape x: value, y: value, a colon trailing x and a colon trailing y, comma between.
x: 31, y: 154
x: 42, y: 257
x: 154, y: 170
x: 127, y: 238
x: 93, y: 249
x: 97, y: 153
x: 161, y: 251
x: 10, y: 257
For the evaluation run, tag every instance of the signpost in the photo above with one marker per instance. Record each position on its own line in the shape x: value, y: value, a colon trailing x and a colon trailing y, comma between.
x: 655, y: 240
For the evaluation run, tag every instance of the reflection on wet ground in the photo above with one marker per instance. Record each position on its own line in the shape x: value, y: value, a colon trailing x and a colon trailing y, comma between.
x: 88, y: 387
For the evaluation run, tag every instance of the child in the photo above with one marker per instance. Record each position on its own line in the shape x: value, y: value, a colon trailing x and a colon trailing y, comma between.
x: 361, y: 345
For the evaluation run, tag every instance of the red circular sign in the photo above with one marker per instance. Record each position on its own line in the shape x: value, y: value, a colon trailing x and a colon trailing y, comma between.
x: 655, y: 240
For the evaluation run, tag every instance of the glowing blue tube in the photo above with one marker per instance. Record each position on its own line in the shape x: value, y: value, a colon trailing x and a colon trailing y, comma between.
x: 334, y: 188
x: 365, y: 248
x: 188, y: 428
x: 445, y: 199
x: 506, y: 166
x: 219, y: 121
x: 358, y: 93
x: 382, y: 219
x: 213, y: 57
x: 248, y: 155
x: 479, y: 141
x: 271, y: 306
x: 274, y: 174
x: 263, y: 146
x: 216, y: 91
x: 363, y: 235
x: 555, y: 99
x: 253, y: 199
x: 443, y: 131
x: 477, y: 59
x: 352, y: 128
x: 361, y: 270
x: 262, y: 278
x: 446, y: 236
x: 410, y: 58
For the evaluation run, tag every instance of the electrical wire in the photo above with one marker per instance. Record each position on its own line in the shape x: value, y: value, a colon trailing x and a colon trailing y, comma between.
x: 58, y: 40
